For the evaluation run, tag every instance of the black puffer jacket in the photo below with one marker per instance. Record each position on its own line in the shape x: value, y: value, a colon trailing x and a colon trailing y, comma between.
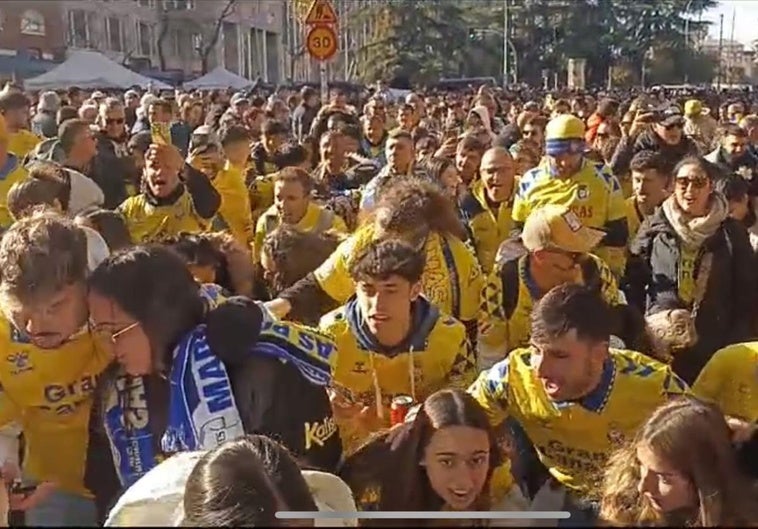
x: 726, y: 312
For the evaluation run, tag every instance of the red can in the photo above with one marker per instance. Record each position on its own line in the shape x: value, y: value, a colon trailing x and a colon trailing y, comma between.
x: 399, y: 408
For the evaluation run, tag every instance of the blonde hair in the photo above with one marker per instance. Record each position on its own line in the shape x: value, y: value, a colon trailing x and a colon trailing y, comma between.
x: 695, y: 439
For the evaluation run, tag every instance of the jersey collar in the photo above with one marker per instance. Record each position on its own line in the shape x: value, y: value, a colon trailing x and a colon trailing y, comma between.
x: 596, y: 399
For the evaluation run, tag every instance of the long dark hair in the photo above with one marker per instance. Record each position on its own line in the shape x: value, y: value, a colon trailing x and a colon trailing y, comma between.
x: 152, y: 284
x: 244, y: 483
x: 391, y: 459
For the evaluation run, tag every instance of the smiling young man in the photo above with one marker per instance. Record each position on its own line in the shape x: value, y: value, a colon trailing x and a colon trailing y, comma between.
x: 576, y: 399
x: 391, y: 342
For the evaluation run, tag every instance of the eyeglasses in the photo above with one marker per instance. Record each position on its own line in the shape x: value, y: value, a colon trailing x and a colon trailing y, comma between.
x: 697, y: 182
x: 104, y: 335
x: 576, y: 257
x: 114, y: 121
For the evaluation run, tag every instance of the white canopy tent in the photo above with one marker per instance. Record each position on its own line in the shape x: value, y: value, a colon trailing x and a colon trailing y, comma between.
x: 218, y: 79
x: 90, y: 70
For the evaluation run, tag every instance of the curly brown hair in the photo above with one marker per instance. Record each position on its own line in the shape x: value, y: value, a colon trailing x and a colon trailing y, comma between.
x: 295, y: 254
x: 413, y: 205
x: 40, y: 255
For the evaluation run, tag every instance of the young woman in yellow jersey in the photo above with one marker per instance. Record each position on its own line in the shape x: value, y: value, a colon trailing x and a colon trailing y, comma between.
x: 192, y: 370
x: 680, y: 470
x: 446, y: 458
x: 419, y: 212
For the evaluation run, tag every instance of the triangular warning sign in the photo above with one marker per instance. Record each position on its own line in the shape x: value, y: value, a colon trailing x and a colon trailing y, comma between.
x: 321, y: 12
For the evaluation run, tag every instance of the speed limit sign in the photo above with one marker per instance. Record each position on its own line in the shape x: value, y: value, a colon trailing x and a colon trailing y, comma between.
x: 322, y: 42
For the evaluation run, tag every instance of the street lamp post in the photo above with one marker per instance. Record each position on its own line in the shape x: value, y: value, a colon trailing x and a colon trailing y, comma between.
x: 687, y: 38
x: 505, y: 43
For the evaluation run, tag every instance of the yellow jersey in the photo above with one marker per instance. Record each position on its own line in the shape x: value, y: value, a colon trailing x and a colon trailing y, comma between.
x: 436, y: 355
x: 452, y: 277
x: 10, y: 173
x: 22, y: 142
x: 574, y: 439
x: 261, y: 193
x: 730, y: 380
x: 148, y: 223
x: 489, y: 228
x: 235, y: 203
x: 633, y: 218
x: 593, y: 194
x: 49, y: 392
x: 317, y: 219
x: 510, y: 294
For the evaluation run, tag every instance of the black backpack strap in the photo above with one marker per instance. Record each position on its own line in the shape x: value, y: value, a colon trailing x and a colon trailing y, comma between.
x: 510, y: 278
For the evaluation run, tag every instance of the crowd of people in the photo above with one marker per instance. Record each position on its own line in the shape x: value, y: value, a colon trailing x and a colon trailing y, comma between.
x: 217, y: 306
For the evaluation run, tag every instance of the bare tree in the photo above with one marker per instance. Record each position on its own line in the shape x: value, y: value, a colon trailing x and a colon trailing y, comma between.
x: 207, y: 45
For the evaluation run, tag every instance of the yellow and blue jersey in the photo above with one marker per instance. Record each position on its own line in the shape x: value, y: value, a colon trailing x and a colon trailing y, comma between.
x: 49, y: 393
x: 436, y: 355
x: 593, y: 194
x: 574, y: 439
x: 730, y: 380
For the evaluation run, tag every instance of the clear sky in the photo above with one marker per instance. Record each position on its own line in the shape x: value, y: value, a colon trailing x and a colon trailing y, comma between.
x: 745, y: 21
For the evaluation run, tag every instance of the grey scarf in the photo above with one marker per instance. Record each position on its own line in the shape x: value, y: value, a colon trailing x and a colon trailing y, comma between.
x: 694, y: 231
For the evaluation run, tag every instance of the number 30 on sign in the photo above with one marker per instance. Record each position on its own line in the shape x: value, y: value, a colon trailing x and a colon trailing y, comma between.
x: 322, y: 42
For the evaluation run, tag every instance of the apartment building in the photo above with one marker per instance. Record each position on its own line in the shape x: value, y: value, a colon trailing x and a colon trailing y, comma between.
x: 175, y: 35
x: 31, y: 37
x: 737, y: 63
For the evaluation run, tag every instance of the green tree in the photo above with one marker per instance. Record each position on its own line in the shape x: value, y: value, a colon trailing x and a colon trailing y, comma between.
x: 422, y: 42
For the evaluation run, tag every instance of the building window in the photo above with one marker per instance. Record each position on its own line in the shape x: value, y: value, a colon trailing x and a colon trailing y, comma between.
x: 113, y: 30
x: 78, y: 28
x: 145, y: 3
x: 145, y: 39
x: 180, y: 5
x: 32, y: 23
x: 2, y: 20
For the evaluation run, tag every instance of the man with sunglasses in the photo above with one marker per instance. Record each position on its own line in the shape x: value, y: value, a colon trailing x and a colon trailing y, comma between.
x: 555, y: 250
x: 666, y: 136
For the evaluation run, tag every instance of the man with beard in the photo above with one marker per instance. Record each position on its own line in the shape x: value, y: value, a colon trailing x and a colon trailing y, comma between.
x: 733, y: 156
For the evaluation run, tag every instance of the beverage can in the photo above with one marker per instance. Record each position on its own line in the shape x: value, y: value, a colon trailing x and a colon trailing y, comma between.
x: 399, y: 408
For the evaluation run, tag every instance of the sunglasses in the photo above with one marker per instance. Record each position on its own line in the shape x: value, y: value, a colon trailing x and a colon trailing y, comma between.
x: 576, y: 257
x: 696, y: 183
x: 114, y: 121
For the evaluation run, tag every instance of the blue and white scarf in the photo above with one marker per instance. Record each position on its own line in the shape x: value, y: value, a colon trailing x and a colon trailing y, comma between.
x: 202, y: 410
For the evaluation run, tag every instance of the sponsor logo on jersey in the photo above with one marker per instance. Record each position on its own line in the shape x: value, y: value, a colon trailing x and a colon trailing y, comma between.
x: 583, y: 192
x: 20, y: 362
x: 318, y: 433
